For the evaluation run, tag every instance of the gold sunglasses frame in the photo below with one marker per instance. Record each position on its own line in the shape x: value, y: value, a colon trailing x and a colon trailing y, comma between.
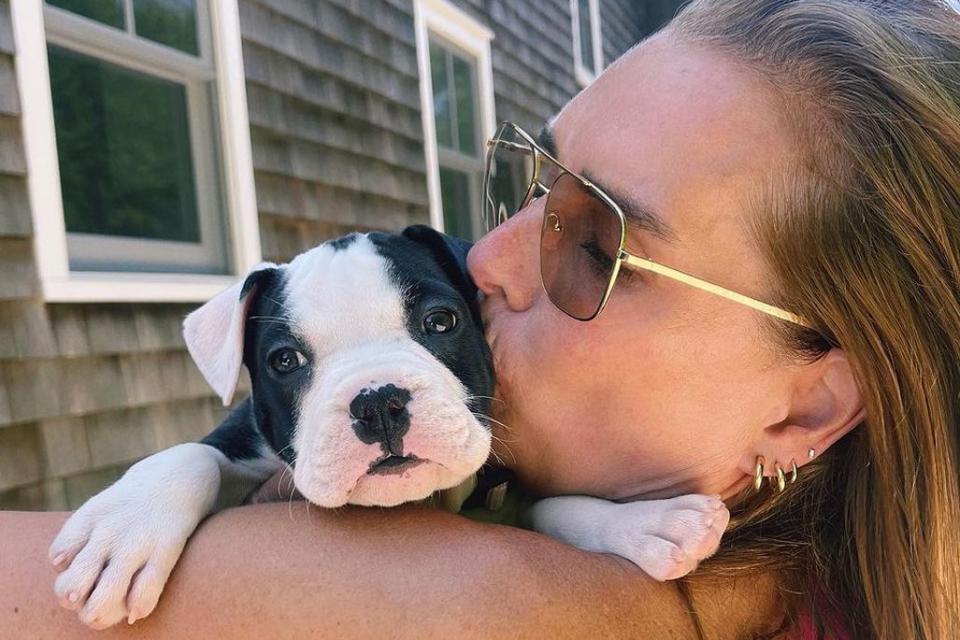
x: 624, y: 257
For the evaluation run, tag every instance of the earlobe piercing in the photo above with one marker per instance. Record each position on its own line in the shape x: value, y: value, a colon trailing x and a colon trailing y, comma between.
x: 780, y: 479
x: 758, y: 474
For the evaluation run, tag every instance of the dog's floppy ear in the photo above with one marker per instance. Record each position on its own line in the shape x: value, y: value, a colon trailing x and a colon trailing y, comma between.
x: 451, y: 254
x: 214, y: 332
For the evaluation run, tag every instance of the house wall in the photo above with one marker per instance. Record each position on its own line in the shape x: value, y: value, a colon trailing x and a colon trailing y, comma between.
x: 335, y: 123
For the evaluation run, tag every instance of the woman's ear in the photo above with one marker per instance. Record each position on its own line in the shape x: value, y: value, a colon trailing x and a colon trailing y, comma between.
x: 214, y: 332
x: 825, y: 405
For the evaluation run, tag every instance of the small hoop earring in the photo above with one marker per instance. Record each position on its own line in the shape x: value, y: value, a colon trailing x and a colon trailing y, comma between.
x: 781, y: 479
x: 758, y: 474
x: 795, y: 473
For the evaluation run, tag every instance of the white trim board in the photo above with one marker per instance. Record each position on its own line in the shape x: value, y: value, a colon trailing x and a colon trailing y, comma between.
x: 455, y: 25
x: 58, y: 283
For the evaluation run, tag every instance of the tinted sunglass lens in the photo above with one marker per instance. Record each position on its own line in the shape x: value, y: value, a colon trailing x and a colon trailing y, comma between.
x: 579, y: 245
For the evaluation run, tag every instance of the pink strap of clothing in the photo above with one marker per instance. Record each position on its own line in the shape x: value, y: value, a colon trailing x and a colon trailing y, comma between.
x: 807, y: 630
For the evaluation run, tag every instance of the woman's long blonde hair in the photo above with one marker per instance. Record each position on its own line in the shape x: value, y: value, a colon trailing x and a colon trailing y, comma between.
x: 863, y: 235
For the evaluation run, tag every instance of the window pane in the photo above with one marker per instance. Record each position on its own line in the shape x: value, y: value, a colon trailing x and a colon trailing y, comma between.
x: 441, y: 96
x: 466, y: 124
x: 455, y: 194
x: 109, y: 12
x: 123, y: 143
x: 169, y: 22
x: 586, y: 35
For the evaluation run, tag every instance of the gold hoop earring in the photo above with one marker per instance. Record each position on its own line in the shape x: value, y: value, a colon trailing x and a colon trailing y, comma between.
x: 781, y: 478
x: 795, y: 473
x: 758, y: 474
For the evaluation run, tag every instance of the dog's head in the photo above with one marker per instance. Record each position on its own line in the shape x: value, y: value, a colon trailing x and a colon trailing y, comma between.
x: 367, y: 361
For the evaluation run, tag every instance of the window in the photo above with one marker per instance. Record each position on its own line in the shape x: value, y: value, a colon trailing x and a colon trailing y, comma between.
x: 131, y: 110
x: 587, y: 43
x: 456, y: 92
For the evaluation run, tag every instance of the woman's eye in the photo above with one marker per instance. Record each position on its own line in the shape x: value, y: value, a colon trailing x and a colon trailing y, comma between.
x: 286, y: 360
x: 600, y: 263
x: 439, y: 321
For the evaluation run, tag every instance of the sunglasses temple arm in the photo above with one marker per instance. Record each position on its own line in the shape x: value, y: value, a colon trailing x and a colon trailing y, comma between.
x: 709, y: 287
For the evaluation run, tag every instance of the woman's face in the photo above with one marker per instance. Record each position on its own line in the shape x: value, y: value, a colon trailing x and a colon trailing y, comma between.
x: 667, y: 391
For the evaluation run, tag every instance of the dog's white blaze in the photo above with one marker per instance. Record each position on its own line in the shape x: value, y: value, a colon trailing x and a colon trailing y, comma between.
x: 340, y: 298
x: 344, y: 304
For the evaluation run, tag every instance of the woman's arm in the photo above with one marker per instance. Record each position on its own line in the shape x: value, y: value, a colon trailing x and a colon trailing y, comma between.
x: 289, y: 570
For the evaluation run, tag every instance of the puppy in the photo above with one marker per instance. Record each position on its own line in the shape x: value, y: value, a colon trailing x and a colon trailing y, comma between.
x: 370, y: 379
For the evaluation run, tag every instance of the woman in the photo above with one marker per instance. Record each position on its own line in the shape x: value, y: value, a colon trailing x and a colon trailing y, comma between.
x: 801, y: 154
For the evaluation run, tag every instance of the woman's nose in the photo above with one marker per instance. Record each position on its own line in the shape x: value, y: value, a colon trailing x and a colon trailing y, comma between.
x: 506, y: 260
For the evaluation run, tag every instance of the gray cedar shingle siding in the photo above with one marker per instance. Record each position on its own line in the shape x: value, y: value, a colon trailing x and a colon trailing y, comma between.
x: 334, y: 104
x: 619, y: 21
x: 16, y: 250
x: 14, y: 209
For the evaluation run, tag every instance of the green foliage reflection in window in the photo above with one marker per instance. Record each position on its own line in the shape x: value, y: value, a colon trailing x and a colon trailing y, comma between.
x: 455, y: 195
x: 169, y: 22
x: 109, y: 12
x: 454, y: 112
x: 123, y: 143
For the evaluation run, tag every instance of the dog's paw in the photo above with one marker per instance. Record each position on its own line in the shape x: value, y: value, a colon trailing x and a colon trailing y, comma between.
x: 115, y: 558
x: 116, y: 552
x: 667, y: 538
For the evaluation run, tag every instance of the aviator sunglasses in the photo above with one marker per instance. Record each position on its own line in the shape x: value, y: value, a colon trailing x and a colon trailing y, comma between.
x: 583, y: 231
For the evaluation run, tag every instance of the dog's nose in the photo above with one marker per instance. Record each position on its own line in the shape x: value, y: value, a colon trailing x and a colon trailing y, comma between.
x: 381, y: 416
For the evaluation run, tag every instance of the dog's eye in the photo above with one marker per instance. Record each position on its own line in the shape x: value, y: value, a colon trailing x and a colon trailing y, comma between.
x: 439, y: 321
x: 286, y: 360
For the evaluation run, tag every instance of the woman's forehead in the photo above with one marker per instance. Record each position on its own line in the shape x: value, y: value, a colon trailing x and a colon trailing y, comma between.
x: 680, y: 128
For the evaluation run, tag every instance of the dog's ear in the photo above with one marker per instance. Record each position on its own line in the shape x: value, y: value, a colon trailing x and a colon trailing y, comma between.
x: 214, y: 332
x: 451, y: 254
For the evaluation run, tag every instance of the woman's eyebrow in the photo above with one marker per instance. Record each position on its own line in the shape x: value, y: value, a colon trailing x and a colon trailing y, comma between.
x: 545, y: 138
x: 638, y: 215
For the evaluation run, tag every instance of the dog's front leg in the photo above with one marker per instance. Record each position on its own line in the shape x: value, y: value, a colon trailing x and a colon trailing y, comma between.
x: 665, y: 538
x: 116, y: 552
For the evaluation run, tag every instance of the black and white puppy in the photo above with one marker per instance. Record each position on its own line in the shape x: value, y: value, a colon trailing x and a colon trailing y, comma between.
x: 367, y: 363
x: 370, y: 378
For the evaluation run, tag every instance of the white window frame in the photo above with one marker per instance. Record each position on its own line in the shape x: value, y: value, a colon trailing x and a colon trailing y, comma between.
x: 583, y: 74
x: 58, y: 282
x: 459, y: 28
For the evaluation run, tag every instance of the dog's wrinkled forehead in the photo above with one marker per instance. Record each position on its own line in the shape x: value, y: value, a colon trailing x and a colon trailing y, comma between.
x: 361, y: 287
x: 342, y: 291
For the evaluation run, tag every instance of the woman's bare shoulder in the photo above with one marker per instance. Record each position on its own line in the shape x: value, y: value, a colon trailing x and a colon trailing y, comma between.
x: 284, y: 570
